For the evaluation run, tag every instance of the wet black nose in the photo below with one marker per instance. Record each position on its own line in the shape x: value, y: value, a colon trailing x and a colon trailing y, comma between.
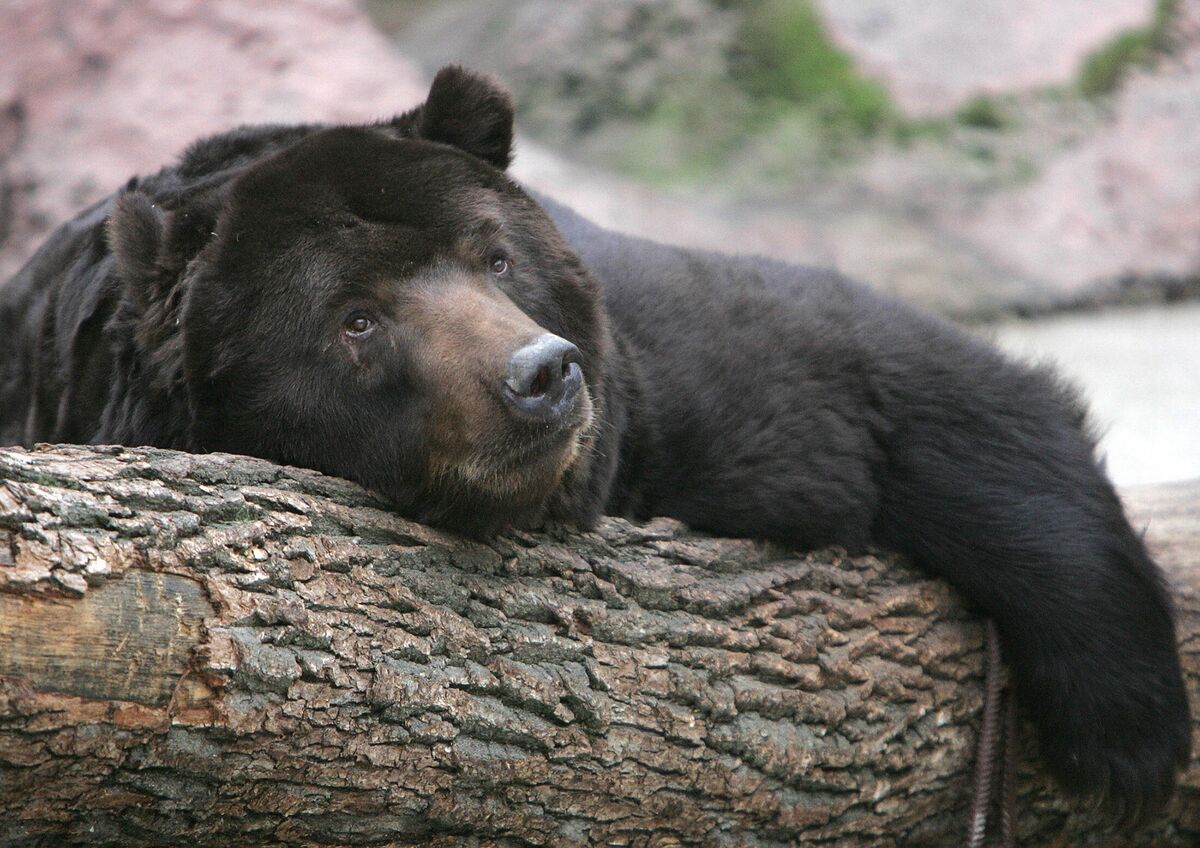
x: 543, y: 378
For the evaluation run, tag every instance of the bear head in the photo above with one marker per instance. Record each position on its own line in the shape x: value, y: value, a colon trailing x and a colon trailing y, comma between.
x: 381, y: 303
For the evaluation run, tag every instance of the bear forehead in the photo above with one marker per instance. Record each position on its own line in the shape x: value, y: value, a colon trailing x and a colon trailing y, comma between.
x: 365, y: 174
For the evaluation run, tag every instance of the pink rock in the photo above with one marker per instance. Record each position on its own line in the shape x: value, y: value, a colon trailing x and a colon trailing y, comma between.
x: 1126, y: 203
x: 92, y: 93
x: 934, y: 56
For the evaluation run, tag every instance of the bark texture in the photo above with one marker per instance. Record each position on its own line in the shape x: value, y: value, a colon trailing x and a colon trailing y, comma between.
x: 219, y: 651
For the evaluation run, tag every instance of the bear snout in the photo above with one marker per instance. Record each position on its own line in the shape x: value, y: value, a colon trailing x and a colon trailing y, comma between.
x: 543, y: 379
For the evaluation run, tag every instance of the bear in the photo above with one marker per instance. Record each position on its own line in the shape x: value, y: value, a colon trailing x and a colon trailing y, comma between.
x: 384, y: 303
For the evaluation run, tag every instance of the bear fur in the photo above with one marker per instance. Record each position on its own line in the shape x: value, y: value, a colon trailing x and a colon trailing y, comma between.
x: 347, y: 298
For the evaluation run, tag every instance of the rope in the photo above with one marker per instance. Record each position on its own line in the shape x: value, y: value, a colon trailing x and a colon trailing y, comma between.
x: 996, y: 745
x: 1008, y: 797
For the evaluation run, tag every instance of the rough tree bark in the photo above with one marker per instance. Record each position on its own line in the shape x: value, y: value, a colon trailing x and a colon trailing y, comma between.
x: 219, y: 651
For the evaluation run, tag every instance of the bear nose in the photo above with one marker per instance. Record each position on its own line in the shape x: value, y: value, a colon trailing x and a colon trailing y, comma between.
x: 543, y: 378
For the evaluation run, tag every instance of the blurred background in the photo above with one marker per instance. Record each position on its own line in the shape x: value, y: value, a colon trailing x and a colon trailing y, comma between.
x: 1030, y: 168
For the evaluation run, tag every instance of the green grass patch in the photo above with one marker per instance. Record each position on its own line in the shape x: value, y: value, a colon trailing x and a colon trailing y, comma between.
x: 983, y: 112
x: 785, y: 84
x: 1104, y: 68
x: 785, y: 60
x: 790, y: 104
x: 906, y: 133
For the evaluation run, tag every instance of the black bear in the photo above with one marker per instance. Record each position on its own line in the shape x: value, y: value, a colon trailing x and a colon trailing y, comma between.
x: 383, y: 303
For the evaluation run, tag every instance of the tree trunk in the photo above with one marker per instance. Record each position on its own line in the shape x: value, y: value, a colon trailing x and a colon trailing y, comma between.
x: 220, y: 651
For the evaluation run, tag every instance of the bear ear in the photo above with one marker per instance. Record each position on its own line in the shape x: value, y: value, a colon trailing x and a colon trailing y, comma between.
x: 136, y: 232
x: 470, y: 112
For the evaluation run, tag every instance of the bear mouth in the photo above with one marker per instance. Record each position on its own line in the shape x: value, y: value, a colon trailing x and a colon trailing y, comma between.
x: 549, y: 442
x: 534, y: 457
x: 510, y: 460
x: 542, y: 448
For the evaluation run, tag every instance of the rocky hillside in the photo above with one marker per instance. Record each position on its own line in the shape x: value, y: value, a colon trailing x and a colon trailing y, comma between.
x: 983, y: 156
x: 901, y: 147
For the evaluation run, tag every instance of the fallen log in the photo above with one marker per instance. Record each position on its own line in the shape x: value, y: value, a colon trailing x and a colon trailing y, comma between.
x: 220, y: 651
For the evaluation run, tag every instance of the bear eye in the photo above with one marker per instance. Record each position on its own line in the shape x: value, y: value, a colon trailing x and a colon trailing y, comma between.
x: 358, y: 325
x: 500, y: 265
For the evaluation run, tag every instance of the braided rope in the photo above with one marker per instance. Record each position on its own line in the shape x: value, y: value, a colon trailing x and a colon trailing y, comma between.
x: 996, y: 742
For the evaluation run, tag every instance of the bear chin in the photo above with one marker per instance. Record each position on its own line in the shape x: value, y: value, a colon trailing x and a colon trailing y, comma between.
x: 485, y: 495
